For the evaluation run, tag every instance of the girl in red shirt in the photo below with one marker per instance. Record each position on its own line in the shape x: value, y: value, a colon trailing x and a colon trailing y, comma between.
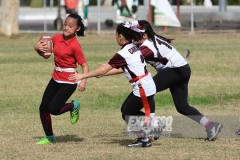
x: 67, y: 53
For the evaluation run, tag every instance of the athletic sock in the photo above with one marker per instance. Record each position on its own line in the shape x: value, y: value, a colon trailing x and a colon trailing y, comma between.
x: 152, y: 115
x: 67, y: 107
x: 153, y: 121
x: 205, y: 122
x: 46, y: 123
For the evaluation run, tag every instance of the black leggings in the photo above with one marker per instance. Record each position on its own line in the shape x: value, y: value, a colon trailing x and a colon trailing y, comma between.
x: 176, y: 79
x: 132, y: 106
x: 55, y: 97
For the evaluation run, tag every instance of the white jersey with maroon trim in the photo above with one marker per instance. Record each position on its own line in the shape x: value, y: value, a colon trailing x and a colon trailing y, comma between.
x: 175, y: 59
x: 130, y: 59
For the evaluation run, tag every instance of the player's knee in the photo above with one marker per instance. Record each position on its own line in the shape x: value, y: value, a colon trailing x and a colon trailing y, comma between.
x: 182, y: 109
x: 42, y: 109
x: 53, y: 110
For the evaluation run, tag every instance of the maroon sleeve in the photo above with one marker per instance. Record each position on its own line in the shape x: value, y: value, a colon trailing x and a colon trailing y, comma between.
x: 117, y: 61
x: 146, y: 52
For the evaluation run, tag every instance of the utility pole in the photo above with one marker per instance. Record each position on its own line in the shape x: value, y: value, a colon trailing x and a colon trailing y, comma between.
x: 178, y: 13
x: 59, y: 20
x: 192, y: 17
x: 149, y: 12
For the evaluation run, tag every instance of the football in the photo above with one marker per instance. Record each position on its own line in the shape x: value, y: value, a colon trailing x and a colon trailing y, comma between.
x: 46, y: 39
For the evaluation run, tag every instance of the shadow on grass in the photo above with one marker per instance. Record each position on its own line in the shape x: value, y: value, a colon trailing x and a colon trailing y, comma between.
x: 158, y: 142
x: 116, y: 138
x: 120, y: 138
x: 65, y: 138
x: 123, y: 140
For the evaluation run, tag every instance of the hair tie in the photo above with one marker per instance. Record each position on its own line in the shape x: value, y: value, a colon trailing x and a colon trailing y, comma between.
x: 137, y: 25
x: 132, y: 26
x: 126, y: 24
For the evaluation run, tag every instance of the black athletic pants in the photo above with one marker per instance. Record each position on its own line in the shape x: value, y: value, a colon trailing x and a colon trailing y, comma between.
x: 132, y: 106
x: 55, y: 97
x: 176, y: 79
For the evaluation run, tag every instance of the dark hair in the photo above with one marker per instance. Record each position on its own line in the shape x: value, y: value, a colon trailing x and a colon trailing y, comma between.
x: 151, y: 35
x: 79, y: 23
x: 128, y: 33
x: 150, y: 32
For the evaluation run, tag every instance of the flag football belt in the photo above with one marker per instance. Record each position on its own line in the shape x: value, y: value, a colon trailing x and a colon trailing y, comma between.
x: 138, y: 78
x: 143, y: 97
x: 65, y: 69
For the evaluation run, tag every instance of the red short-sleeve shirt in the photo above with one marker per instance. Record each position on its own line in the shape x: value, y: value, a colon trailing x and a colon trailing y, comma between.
x: 66, y: 55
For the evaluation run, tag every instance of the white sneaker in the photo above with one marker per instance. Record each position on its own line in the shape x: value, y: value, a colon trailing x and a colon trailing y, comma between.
x: 213, y: 131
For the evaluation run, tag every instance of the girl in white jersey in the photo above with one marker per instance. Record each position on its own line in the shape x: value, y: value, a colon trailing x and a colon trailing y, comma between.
x: 173, y: 72
x: 130, y: 61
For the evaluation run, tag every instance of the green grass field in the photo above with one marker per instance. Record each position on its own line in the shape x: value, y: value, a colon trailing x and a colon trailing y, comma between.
x: 214, y: 89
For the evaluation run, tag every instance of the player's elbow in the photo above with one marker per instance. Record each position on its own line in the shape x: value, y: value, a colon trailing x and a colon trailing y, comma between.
x: 102, y: 71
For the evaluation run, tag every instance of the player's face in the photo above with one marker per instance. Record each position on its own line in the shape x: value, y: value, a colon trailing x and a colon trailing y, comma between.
x: 70, y: 27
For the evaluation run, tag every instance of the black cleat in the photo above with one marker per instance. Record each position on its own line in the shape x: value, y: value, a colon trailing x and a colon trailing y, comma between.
x: 139, y: 143
x: 238, y: 132
x: 213, y: 131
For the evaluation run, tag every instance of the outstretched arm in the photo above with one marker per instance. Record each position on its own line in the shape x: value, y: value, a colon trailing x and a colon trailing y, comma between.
x: 98, y: 72
x: 113, y: 71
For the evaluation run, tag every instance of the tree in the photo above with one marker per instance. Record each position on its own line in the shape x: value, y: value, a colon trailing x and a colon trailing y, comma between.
x: 9, y: 17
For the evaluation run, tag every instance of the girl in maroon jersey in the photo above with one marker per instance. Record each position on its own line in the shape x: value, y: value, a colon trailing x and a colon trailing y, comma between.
x: 67, y: 53
x: 129, y: 60
x: 173, y: 72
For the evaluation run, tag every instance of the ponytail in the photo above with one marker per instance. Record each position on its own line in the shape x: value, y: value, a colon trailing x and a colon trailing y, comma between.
x: 79, y: 23
x: 151, y: 35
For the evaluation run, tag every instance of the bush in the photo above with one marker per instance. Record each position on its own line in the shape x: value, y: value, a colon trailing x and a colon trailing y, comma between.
x: 36, y: 3
x: 233, y: 2
x: 229, y: 2
x: 25, y: 2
